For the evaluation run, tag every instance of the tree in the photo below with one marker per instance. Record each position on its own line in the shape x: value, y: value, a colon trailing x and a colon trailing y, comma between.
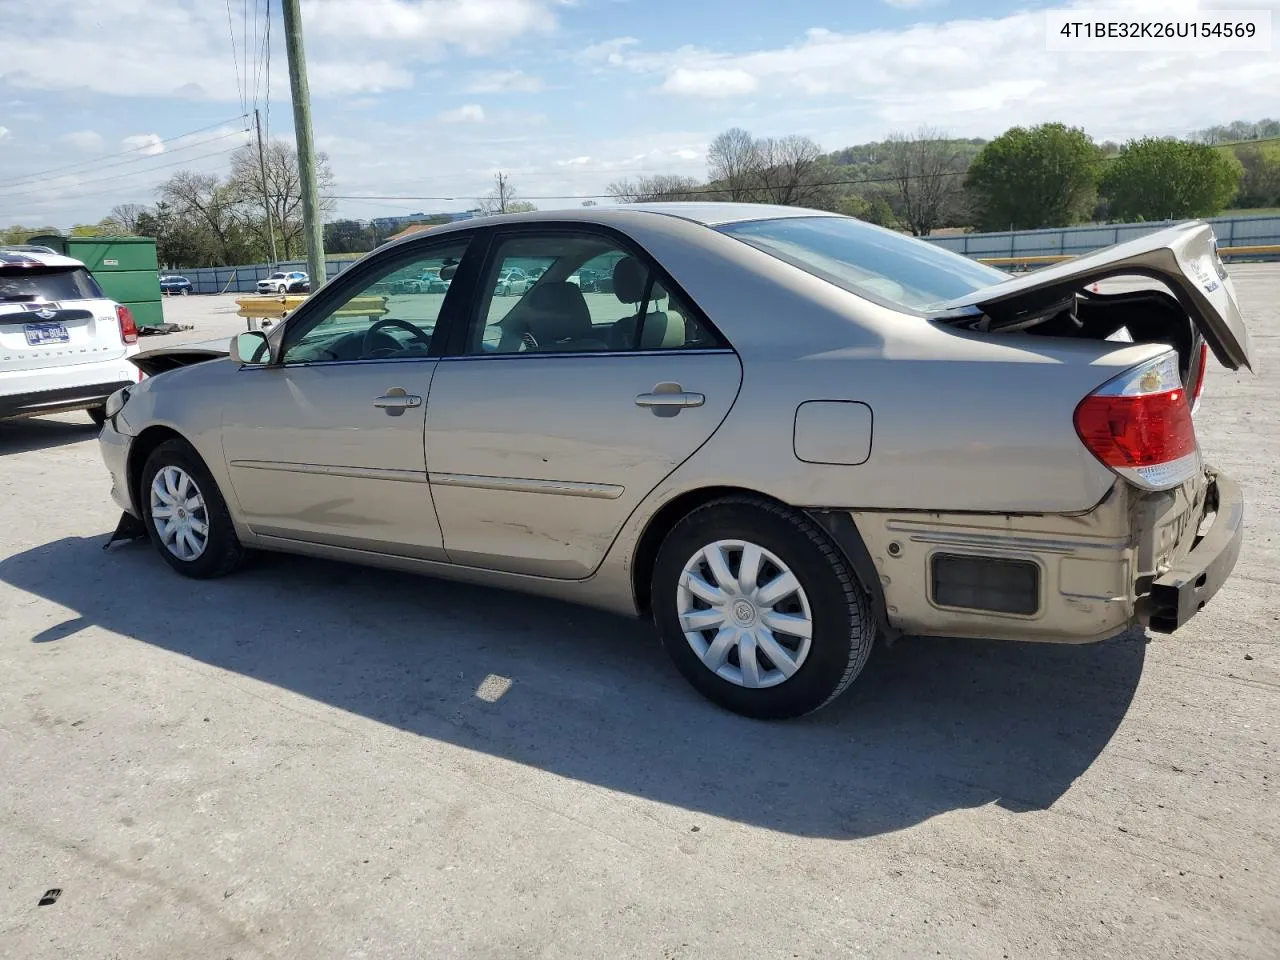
x: 663, y: 187
x: 1152, y: 178
x: 181, y: 240
x: 1026, y: 178
x: 20, y: 234
x: 502, y: 198
x: 124, y: 218
x: 348, y: 236
x: 733, y: 162
x: 1260, y: 184
x: 791, y: 171
x: 206, y: 201
x: 926, y: 173
x: 873, y: 209
x: 278, y: 198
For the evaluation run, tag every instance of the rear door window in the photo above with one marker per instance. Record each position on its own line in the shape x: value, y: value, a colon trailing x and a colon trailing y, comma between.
x: 47, y: 284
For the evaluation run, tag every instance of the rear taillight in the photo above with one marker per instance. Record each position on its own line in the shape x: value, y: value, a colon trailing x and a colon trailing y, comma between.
x: 1197, y: 387
x: 1139, y: 425
x: 128, y: 329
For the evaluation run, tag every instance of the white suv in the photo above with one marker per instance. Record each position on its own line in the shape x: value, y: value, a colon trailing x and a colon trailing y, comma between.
x: 63, y: 345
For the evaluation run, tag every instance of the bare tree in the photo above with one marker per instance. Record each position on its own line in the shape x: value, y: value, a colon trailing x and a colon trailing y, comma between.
x: 502, y: 198
x: 664, y: 186
x: 733, y: 162
x: 927, y: 176
x: 790, y: 171
x: 275, y: 204
x: 124, y: 218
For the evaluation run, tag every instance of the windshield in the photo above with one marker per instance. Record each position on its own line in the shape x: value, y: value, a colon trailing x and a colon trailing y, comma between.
x: 50, y: 284
x: 881, y: 265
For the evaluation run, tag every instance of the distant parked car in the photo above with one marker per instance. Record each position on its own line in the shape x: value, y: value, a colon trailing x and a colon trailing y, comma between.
x: 280, y: 282
x: 176, y: 285
x: 513, y: 282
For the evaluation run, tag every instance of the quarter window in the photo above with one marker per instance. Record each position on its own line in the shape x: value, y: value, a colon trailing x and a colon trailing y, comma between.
x: 577, y: 293
x: 391, y: 317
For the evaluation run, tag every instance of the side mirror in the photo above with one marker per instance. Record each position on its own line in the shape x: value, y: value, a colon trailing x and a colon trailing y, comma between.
x: 251, y: 348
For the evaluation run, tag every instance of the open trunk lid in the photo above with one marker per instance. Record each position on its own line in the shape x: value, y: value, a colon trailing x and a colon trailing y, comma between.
x: 1184, y: 258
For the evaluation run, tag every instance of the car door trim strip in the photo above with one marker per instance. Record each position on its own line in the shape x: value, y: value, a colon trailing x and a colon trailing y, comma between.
x: 326, y: 470
x: 564, y: 488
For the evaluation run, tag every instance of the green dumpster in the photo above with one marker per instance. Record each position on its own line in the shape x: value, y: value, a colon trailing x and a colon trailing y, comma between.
x: 125, y: 267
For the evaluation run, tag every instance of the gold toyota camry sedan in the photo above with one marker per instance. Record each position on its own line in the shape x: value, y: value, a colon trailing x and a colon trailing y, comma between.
x: 783, y: 434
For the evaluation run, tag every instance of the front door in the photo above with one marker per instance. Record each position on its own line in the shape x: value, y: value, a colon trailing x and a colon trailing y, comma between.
x: 568, y: 407
x: 327, y: 446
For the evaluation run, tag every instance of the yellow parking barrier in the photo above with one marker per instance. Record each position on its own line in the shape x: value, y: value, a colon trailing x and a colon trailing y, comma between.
x: 257, y: 309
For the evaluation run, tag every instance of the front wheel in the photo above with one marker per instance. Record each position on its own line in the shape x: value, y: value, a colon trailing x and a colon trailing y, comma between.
x: 184, y: 513
x: 98, y: 415
x: 282, y: 289
x: 759, y: 609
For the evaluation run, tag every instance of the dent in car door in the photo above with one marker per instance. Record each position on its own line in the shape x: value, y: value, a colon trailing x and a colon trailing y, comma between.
x: 536, y: 462
x: 332, y: 453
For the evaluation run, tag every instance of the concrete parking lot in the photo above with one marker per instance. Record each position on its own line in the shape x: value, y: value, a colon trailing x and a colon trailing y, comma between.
x: 310, y: 760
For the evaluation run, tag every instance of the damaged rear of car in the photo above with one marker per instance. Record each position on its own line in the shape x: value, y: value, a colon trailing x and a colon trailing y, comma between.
x: 1168, y: 532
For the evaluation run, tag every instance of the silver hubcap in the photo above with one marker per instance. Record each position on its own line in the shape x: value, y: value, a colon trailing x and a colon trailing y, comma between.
x: 179, y: 514
x: 744, y: 614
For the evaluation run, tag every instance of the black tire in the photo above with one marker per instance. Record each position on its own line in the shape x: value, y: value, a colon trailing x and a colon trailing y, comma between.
x: 98, y: 415
x: 843, y: 629
x: 185, y: 292
x: 223, y: 552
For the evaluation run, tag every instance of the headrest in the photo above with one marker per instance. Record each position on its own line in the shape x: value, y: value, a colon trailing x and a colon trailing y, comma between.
x: 629, y: 280
x: 558, y: 311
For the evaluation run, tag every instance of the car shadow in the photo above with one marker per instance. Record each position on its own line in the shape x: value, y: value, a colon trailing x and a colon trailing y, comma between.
x: 40, y: 433
x: 934, y: 726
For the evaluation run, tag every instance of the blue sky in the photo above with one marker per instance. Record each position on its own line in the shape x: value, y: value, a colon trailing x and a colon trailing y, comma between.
x: 429, y: 97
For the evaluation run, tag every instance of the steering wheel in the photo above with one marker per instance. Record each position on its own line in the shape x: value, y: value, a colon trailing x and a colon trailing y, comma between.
x: 368, y: 348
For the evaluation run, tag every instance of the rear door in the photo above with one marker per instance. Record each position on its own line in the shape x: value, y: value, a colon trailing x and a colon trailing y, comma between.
x: 559, y: 411
x: 54, y: 316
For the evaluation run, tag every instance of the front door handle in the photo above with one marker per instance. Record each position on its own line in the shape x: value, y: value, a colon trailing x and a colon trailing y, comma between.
x: 668, y: 399
x: 396, y: 401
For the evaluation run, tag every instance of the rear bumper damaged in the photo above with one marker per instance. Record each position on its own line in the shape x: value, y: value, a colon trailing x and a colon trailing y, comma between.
x: 1134, y: 559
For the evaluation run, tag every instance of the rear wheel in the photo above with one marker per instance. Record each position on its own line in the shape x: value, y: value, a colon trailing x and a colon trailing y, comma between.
x: 185, y: 291
x: 185, y: 514
x: 759, y: 609
x: 281, y: 289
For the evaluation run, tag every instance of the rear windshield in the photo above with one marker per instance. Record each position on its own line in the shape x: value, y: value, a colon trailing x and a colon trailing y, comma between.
x: 890, y: 268
x: 41, y: 284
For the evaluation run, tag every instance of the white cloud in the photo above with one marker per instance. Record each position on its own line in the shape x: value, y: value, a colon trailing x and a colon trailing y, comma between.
x: 476, y: 26
x: 4, y: 132
x: 467, y: 113
x: 611, y: 52
x: 503, y: 81
x: 712, y: 83
x: 913, y: 4
x: 89, y: 141
x: 573, y: 162
x: 146, y: 144
x: 973, y: 77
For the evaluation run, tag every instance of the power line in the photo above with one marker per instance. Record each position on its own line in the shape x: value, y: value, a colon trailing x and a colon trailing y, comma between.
x: 94, y: 162
x: 123, y: 176
x: 235, y: 58
x: 120, y: 163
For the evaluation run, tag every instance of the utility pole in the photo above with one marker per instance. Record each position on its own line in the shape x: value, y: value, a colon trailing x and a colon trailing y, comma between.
x: 266, y: 197
x: 313, y: 229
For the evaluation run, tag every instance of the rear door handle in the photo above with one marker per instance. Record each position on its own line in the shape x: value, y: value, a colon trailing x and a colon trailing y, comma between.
x: 396, y: 401
x: 680, y: 400
x: 668, y: 399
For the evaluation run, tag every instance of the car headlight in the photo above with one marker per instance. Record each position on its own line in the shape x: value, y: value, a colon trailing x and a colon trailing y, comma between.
x: 115, y: 403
